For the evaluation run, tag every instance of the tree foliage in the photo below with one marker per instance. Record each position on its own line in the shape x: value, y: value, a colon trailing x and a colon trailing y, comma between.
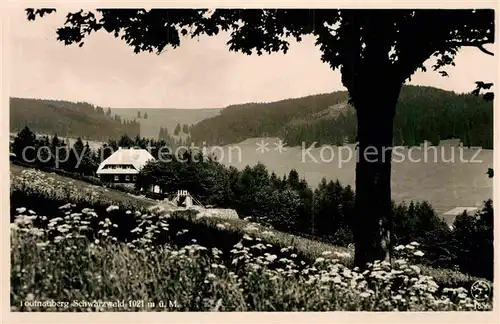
x: 46, y: 152
x: 25, y: 138
x: 177, y: 129
x: 480, y: 86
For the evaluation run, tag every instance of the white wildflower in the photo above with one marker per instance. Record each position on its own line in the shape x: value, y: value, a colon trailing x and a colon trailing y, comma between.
x: 418, y: 253
x: 271, y: 257
x: 112, y: 208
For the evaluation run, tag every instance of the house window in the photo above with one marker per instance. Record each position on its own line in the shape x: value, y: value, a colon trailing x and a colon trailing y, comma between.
x: 127, y: 178
x: 134, y: 178
x: 117, y: 178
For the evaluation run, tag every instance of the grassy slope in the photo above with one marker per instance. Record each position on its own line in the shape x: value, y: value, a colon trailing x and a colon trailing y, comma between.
x: 112, y: 195
x: 311, y: 249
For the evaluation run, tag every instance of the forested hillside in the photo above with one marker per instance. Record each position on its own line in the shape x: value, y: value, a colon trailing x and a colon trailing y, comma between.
x: 423, y: 113
x: 69, y: 119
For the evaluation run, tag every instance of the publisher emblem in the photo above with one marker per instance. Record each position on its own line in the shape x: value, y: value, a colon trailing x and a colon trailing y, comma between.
x: 480, y: 290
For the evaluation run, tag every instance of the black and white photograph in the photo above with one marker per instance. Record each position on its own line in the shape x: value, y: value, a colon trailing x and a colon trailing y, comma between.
x: 250, y: 159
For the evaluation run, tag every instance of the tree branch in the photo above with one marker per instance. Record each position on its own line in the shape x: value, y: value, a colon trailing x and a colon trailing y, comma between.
x: 484, y: 50
x: 479, y: 45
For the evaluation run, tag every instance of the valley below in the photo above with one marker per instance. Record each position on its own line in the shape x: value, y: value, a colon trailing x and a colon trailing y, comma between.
x: 452, y: 177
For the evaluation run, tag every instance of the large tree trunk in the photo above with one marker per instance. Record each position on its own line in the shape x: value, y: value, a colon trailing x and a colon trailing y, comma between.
x: 372, y: 224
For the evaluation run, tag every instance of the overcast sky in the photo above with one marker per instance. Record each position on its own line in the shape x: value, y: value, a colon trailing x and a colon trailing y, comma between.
x: 199, y: 74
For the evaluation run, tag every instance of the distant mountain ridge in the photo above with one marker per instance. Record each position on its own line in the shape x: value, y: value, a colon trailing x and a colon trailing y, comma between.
x: 422, y: 114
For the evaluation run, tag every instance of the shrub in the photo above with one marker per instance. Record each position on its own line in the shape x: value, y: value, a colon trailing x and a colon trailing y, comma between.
x: 472, y: 242
x: 278, y: 208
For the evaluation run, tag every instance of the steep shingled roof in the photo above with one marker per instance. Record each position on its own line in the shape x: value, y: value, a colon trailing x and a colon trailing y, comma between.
x: 136, y: 157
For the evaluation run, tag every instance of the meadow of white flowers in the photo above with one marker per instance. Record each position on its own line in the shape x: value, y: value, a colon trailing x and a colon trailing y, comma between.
x: 75, y: 257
